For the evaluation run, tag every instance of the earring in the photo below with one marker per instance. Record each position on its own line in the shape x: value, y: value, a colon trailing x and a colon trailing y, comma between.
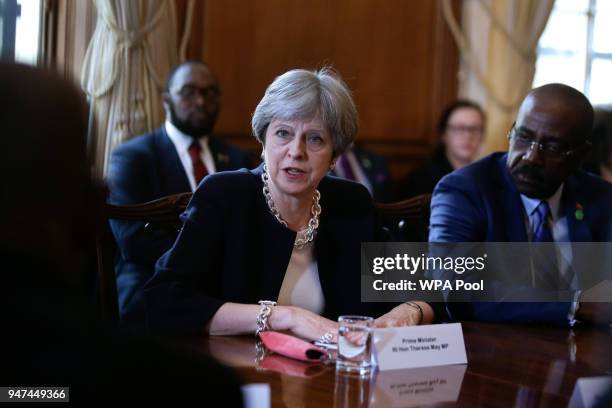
x: 332, y: 166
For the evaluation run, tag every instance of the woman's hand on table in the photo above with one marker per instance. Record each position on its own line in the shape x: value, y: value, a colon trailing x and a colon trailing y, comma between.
x: 405, y: 315
x: 302, y: 323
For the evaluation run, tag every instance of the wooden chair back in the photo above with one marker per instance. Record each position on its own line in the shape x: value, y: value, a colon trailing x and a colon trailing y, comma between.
x: 161, y: 213
x: 407, y: 220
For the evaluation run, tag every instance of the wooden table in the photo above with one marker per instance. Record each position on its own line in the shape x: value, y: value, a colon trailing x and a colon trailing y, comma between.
x: 508, y: 365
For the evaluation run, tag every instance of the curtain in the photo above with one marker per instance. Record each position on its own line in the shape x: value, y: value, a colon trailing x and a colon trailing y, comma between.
x: 131, y: 51
x: 498, y: 55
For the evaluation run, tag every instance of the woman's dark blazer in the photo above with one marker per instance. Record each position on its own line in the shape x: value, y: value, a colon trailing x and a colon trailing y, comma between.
x: 232, y: 249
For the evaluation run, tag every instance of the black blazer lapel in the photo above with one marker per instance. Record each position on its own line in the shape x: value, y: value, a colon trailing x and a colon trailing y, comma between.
x: 579, y: 230
x: 576, y: 212
x: 172, y: 177
x: 221, y: 155
x: 513, y: 213
x: 366, y: 164
x: 325, y: 249
x: 277, y: 246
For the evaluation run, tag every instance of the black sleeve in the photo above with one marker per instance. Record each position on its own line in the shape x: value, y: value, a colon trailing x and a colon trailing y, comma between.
x: 130, y: 181
x: 181, y: 295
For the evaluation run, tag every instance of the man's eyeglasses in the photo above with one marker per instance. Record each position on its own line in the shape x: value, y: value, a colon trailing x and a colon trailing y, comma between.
x: 461, y: 129
x: 550, y: 149
x: 210, y: 93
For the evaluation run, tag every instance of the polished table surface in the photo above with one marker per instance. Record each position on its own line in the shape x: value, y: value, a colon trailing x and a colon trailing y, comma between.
x: 508, y: 365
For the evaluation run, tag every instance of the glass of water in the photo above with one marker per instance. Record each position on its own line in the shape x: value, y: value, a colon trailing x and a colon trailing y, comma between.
x: 355, y: 344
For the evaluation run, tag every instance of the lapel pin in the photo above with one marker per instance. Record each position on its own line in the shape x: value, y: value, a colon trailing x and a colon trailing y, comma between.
x: 579, y: 213
x: 222, y: 158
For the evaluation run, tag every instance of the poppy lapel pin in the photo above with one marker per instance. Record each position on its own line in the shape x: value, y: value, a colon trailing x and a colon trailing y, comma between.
x: 366, y: 163
x: 579, y: 213
x: 223, y: 158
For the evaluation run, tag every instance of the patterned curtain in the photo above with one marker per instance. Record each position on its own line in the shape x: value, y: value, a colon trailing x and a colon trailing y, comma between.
x: 131, y: 51
x: 498, y: 46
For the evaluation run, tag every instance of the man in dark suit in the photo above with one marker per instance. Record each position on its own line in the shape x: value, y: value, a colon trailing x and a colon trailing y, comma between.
x: 172, y: 159
x: 361, y: 165
x: 533, y: 193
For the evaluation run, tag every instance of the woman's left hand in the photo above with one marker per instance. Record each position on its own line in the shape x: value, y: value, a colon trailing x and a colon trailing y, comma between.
x: 405, y: 315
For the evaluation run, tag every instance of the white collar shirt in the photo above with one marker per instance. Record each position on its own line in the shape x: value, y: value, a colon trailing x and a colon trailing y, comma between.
x: 559, y: 230
x: 181, y: 143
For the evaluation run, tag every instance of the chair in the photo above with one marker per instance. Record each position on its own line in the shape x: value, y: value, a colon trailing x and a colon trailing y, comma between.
x: 407, y: 220
x: 162, y: 213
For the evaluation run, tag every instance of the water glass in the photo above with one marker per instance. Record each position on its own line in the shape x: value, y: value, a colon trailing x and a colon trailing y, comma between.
x: 355, y: 344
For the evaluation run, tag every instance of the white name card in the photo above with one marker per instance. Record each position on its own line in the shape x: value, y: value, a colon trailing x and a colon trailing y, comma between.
x: 419, y: 346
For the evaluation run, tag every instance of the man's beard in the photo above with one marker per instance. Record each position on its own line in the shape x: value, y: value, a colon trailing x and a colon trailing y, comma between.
x: 541, y: 187
x: 187, y: 128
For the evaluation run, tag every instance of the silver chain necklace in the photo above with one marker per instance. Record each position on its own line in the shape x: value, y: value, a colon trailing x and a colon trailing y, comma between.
x: 308, y: 234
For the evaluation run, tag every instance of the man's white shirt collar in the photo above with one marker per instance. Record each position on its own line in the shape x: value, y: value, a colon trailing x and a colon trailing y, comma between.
x: 181, y: 143
x: 554, y: 202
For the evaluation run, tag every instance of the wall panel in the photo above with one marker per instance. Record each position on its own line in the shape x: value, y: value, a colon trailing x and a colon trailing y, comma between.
x: 396, y: 55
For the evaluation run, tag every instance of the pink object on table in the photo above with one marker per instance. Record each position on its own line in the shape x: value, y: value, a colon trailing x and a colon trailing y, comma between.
x: 293, y: 347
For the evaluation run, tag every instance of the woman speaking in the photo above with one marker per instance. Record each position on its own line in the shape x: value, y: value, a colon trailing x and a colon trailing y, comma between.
x: 277, y: 247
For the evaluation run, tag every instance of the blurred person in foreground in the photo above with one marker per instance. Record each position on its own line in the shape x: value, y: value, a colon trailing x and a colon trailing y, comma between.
x: 51, y: 334
x: 536, y: 193
x: 461, y: 129
x: 285, y: 234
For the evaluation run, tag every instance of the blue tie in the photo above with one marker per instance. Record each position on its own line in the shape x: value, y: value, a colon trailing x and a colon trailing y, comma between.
x: 542, y: 232
x: 545, y: 256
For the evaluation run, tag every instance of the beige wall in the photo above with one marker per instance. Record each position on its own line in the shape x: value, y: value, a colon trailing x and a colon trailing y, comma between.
x: 396, y: 55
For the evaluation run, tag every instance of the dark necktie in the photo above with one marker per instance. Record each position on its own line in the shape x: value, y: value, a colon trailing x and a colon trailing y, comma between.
x: 199, y: 169
x: 545, y: 256
x: 542, y: 232
x: 347, y: 170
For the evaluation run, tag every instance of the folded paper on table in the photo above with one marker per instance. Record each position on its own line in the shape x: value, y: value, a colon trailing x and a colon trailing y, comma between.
x: 419, y: 346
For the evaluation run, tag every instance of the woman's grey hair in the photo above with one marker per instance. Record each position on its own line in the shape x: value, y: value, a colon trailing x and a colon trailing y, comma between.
x: 303, y: 94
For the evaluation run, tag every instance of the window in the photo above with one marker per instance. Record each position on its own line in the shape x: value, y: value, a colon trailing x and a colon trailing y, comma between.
x: 575, y: 48
x: 20, y: 30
